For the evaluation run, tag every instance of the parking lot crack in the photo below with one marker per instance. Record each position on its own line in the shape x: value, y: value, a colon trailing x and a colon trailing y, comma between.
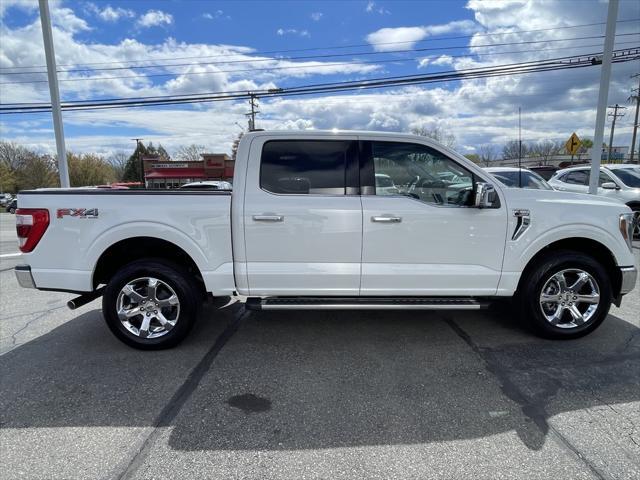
x: 179, y: 398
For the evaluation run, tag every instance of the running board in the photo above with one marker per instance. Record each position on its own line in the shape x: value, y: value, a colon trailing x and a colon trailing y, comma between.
x: 363, y: 303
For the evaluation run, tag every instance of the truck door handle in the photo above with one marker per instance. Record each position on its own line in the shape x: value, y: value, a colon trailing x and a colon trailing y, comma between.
x: 268, y: 218
x: 386, y: 219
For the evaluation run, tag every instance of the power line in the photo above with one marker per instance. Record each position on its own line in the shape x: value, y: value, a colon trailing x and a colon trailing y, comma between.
x: 338, y: 47
x: 300, y: 67
x: 332, y: 55
x: 562, y: 63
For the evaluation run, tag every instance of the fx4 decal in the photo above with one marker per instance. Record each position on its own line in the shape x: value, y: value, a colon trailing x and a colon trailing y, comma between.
x: 77, y: 212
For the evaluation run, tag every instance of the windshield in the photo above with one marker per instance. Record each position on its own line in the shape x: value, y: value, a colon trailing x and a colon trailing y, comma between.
x: 529, y: 180
x: 629, y: 176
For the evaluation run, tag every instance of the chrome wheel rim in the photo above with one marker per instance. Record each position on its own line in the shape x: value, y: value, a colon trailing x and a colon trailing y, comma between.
x: 569, y: 298
x: 148, y: 307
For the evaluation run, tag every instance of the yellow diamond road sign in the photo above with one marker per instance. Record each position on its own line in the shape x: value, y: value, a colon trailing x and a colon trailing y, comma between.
x: 573, y: 144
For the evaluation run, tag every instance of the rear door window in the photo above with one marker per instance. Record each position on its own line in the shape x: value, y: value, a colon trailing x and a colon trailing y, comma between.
x: 306, y: 167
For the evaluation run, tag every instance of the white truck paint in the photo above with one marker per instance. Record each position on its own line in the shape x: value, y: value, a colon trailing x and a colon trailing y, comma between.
x: 257, y: 243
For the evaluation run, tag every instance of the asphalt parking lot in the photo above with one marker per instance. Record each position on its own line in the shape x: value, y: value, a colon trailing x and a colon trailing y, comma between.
x: 313, y: 395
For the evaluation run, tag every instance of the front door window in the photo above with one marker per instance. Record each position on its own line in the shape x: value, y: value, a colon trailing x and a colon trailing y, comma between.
x: 420, y: 172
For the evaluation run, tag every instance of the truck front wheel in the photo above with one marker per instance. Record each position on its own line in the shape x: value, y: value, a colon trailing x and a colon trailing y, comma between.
x: 151, y: 304
x: 566, y: 295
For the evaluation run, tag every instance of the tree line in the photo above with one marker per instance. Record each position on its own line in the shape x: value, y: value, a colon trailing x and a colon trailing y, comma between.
x: 22, y: 168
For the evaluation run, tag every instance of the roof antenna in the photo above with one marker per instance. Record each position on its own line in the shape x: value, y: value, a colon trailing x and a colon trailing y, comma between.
x: 520, y: 147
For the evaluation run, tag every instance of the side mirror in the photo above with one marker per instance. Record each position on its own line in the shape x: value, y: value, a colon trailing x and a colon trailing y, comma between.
x: 610, y: 186
x: 485, y: 195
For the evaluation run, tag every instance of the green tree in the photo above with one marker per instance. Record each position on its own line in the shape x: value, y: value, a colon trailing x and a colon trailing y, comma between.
x: 163, y: 154
x: 12, y: 159
x: 133, y: 167
x: 7, y: 179
x: 474, y: 157
x: 89, y: 170
x: 37, y: 171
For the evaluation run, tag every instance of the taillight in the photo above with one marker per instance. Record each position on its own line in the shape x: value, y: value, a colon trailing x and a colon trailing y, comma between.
x: 31, y: 223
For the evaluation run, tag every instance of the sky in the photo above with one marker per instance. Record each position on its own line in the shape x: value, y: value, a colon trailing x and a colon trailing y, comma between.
x: 191, y: 47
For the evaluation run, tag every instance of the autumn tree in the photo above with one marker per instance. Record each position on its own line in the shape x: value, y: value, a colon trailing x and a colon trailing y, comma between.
x: 118, y: 161
x: 437, y: 134
x: 190, y: 153
x: 487, y: 154
x: 546, y: 149
x: 511, y: 150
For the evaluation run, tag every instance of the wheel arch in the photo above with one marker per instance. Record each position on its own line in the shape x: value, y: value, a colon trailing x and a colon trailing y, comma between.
x: 127, y: 250
x: 584, y: 245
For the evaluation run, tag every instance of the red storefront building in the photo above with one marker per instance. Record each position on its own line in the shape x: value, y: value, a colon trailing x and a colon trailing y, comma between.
x: 164, y: 174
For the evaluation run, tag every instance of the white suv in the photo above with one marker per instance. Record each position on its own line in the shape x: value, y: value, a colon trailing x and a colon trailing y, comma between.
x: 618, y: 181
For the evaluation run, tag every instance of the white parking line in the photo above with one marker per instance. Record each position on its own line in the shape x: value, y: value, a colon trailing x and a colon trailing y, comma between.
x: 7, y: 255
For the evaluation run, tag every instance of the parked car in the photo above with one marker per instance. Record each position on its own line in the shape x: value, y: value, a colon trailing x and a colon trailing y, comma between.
x: 12, y: 206
x: 519, y: 177
x: 5, y: 199
x: 307, y: 228
x: 208, y: 185
x: 618, y: 181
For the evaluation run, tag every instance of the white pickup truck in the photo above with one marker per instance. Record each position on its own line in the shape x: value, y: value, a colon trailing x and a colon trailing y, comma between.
x: 306, y: 227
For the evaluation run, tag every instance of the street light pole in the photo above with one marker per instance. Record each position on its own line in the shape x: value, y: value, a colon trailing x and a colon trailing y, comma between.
x: 605, y: 76
x: 49, y: 52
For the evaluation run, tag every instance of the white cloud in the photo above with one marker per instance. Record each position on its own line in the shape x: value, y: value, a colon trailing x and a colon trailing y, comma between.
x: 109, y: 13
x: 214, y: 15
x: 372, y: 7
x: 317, y: 16
x: 387, y: 39
x: 443, y: 60
x: 292, y: 31
x: 154, y: 18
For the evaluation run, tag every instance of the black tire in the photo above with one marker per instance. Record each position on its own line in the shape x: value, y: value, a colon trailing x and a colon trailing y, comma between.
x: 12, y: 210
x: 172, y: 275
x: 531, y: 285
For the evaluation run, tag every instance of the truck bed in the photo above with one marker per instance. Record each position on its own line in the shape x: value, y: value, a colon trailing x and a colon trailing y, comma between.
x: 84, y: 223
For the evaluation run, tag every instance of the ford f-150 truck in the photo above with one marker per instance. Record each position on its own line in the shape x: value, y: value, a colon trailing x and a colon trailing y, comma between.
x: 306, y: 226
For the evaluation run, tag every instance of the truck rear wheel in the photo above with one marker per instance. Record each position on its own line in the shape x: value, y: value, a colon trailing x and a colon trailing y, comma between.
x: 151, y: 304
x: 567, y: 295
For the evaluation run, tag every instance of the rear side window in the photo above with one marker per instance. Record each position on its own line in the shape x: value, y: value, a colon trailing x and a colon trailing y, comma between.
x: 578, y: 177
x: 298, y: 167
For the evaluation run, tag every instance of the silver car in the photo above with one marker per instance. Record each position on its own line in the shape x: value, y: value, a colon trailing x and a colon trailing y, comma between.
x: 619, y: 181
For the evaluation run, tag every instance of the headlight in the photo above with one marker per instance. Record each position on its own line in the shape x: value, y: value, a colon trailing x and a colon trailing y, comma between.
x: 626, y: 228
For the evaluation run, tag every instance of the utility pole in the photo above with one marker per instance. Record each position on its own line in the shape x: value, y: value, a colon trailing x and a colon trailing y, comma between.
x: 140, y: 160
x: 56, y: 111
x: 603, y: 93
x: 615, y: 115
x: 635, y: 97
x: 253, y: 102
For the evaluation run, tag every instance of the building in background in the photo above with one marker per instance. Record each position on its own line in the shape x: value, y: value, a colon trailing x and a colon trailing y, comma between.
x: 163, y: 174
